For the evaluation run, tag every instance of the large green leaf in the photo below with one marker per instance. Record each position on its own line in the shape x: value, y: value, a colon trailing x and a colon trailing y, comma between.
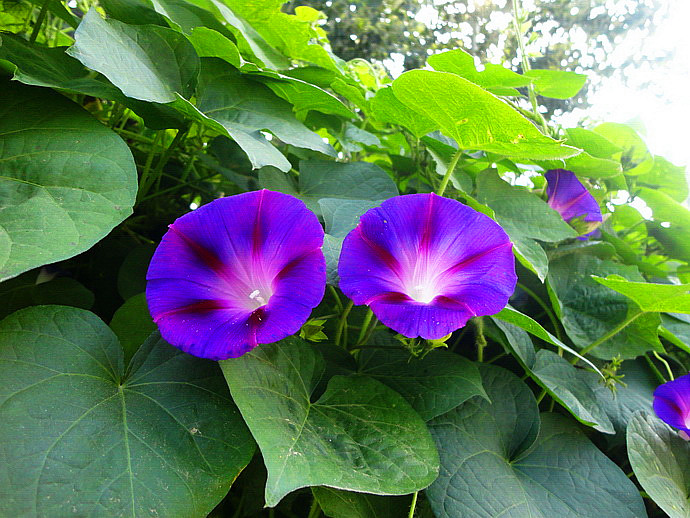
x: 336, y: 503
x: 496, y: 460
x: 65, y: 179
x: 132, y: 324
x: 589, y: 310
x: 661, y: 462
x: 557, y: 84
x: 146, y: 62
x: 361, y: 181
x: 243, y: 108
x: 359, y: 435
x: 28, y: 290
x: 289, y: 34
x: 662, y: 298
x: 495, y: 78
x: 667, y: 178
x: 525, y: 217
x: 433, y: 385
x: 386, y: 107
x: 568, y: 385
x: 473, y: 117
x: 83, y: 435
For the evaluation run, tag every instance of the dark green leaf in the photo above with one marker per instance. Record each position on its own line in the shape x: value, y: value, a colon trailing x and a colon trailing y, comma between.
x: 336, y: 503
x: 212, y: 44
x: 525, y: 217
x: 564, y: 382
x: 82, y: 436
x: 666, y: 177
x: 661, y: 462
x: 589, y: 310
x: 433, y: 385
x: 66, y: 180
x: 496, y: 460
x: 360, y: 181
x: 132, y: 324
x: 243, y: 108
x: 131, y: 278
x: 24, y: 291
x: 359, y: 435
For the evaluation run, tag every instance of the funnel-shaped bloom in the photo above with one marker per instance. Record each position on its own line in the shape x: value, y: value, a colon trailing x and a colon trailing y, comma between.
x: 572, y: 201
x: 426, y: 264
x: 240, y: 271
x: 672, y: 403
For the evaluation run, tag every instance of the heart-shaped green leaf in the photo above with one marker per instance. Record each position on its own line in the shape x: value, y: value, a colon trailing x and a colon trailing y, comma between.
x: 433, y: 385
x: 661, y: 462
x: 496, y: 460
x: 83, y: 435
x: 359, y: 435
x: 66, y: 180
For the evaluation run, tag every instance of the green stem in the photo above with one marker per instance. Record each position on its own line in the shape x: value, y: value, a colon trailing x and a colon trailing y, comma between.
x: 39, y: 21
x: 446, y: 177
x: 413, y: 505
x: 365, y: 326
x: 541, y: 396
x: 668, y: 367
x: 547, y: 310
x: 315, y: 510
x: 656, y: 371
x: 143, y: 181
x: 168, y: 152
x: 338, y: 304
x: 343, y: 322
x: 610, y: 334
x: 526, y: 67
x: 480, y: 340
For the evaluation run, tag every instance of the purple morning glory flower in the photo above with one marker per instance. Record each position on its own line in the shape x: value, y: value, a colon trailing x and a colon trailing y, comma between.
x: 573, y: 201
x: 426, y: 264
x: 672, y: 403
x: 238, y: 272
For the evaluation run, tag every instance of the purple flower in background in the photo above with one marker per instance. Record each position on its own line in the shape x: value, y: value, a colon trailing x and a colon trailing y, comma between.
x: 672, y: 404
x: 572, y: 201
x: 426, y: 264
x: 238, y: 272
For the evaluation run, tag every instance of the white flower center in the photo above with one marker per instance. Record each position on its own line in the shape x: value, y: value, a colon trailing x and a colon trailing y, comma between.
x: 423, y: 293
x: 257, y: 299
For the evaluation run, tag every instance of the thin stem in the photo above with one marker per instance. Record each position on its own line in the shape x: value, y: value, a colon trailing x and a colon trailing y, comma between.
x: 343, y: 322
x: 480, y: 340
x: 656, y: 371
x: 365, y: 326
x: 315, y: 509
x: 168, y: 152
x: 668, y: 367
x: 143, y: 181
x: 608, y: 335
x: 547, y: 310
x: 39, y: 21
x: 370, y: 331
x: 526, y: 67
x: 449, y: 172
x: 413, y: 505
x: 541, y: 396
x: 339, y: 305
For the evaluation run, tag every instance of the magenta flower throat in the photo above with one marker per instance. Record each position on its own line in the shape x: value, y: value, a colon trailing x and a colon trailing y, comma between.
x: 672, y: 403
x: 572, y: 201
x: 238, y: 272
x: 426, y: 264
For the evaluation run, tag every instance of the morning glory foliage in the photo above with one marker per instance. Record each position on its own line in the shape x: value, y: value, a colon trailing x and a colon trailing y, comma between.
x: 572, y: 200
x: 426, y: 264
x: 238, y: 272
x: 672, y: 403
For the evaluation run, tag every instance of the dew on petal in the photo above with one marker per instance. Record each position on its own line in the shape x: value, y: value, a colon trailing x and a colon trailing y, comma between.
x: 426, y: 264
x: 237, y: 272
